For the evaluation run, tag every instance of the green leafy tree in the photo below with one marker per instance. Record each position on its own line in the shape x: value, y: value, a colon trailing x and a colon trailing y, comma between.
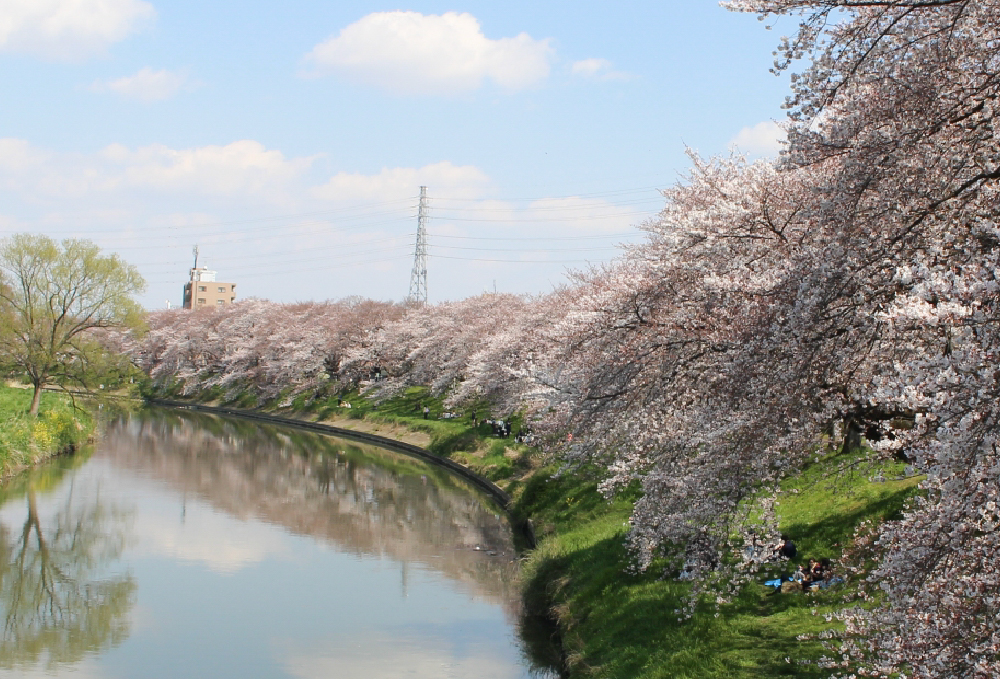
x: 60, y: 598
x: 53, y: 297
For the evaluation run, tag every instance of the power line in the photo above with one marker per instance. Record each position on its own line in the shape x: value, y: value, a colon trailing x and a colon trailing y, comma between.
x: 255, y: 220
x: 523, y: 220
x: 515, y: 261
x: 266, y: 273
x: 542, y: 238
x: 460, y: 247
x: 554, y: 208
x: 347, y: 256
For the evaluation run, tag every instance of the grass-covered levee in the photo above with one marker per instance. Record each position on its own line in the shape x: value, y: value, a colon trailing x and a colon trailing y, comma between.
x: 26, y: 440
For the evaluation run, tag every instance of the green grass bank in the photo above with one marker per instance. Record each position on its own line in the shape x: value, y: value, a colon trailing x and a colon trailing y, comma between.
x: 615, y: 623
x: 25, y: 440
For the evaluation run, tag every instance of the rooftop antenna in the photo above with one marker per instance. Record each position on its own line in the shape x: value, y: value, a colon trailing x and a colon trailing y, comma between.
x: 195, y: 250
x: 418, y: 276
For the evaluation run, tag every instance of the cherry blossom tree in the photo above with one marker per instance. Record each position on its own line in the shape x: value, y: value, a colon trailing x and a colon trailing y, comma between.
x: 776, y: 310
x: 902, y: 97
x: 854, y: 283
x: 433, y: 345
x: 256, y: 346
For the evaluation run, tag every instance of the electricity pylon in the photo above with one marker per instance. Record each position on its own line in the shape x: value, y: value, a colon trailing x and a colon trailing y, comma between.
x: 418, y: 277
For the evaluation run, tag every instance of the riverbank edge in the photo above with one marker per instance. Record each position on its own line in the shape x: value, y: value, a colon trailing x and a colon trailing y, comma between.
x: 7, y: 472
x: 523, y: 525
x: 578, y: 583
x: 10, y: 469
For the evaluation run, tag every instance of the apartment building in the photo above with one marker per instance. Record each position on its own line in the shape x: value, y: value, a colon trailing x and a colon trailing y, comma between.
x: 204, y: 292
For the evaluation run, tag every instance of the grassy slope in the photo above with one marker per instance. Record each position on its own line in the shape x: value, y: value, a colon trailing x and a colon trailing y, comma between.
x: 620, y: 624
x: 25, y: 440
x: 502, y: 461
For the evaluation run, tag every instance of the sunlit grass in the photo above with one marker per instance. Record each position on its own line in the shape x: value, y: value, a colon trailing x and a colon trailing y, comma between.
x: 616, y: 623
x: 25, y: 440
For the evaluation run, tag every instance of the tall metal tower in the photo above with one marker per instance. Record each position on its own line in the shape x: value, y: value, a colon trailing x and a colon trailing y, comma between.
x: 418, y: 277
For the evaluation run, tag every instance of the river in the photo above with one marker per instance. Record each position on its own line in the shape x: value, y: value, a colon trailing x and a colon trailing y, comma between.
x: 189, y: 545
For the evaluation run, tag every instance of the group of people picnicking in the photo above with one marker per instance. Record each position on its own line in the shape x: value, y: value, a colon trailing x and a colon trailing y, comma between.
x: 811, y: 575
x: 814, y: 575
x: 500, y: 429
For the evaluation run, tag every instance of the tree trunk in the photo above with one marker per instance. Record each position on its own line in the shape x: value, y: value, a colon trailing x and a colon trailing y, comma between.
x: 33, y: 411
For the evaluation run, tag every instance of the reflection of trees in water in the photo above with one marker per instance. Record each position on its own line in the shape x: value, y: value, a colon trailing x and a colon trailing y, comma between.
x: 365, y: 499
x: 58, y: 603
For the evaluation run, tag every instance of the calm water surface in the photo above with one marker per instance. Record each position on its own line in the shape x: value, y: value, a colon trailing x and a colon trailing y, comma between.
x: 188, y: 545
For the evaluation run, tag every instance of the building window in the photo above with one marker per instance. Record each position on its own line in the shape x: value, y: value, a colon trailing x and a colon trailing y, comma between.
x: 220, y: 302
x: 222, y: 288
x: 202, y: 288
x: 201, y: 300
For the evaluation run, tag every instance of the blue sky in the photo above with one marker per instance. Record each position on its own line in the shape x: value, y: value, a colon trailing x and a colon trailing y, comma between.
x: 288, y: 140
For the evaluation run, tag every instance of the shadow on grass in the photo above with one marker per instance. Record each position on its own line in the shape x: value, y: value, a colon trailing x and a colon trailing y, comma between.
x: 557, y: 503
x: 826, y: 537
x: 621, y: 624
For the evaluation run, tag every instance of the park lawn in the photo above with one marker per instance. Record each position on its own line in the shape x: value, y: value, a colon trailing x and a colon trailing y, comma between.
x: 26, y: 440
x: 616, y: 623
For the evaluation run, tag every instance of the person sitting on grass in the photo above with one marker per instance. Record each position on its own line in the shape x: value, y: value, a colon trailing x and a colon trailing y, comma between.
x: 809, y: 574
x: 816, y: 574
x: 785, y: 548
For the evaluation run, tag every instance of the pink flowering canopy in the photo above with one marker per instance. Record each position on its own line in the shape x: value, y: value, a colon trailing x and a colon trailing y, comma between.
x: 776, y: 309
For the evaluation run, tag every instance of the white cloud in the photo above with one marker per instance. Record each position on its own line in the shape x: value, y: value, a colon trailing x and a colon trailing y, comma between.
x: 458, y: 181
x: 599, y: 69
x: 241, y: 169
x: 413, y: 53
x: 763, y: 139
x: 146, y: 85
x: 244, y: 172
x: 577, y: 215
x: 18, y: 155
x: 68, y: 29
